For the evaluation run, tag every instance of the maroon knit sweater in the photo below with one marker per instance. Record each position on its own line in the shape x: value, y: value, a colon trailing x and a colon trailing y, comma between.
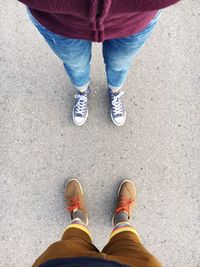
x: 95, y: 20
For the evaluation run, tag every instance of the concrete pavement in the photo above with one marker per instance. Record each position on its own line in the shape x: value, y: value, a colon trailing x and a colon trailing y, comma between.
x: 158, y: 148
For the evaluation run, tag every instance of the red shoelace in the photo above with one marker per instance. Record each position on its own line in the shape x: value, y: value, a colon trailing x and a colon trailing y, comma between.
x: 74, y: 203
x: 124, y: 205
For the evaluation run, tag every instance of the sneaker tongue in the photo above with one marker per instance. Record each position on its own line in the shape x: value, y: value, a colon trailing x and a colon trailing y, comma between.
x: 82, y: 93
x: 76, y: 209
x: 116, y: 93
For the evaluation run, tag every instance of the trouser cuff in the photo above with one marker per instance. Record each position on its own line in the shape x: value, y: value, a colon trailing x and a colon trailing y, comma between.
x: 119, y: 230
x: 83, y: 87
x: 115, y: 88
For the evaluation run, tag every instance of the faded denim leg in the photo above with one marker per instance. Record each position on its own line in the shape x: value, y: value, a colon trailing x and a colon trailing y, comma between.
x: 119, y: 54
x: 75, y: 54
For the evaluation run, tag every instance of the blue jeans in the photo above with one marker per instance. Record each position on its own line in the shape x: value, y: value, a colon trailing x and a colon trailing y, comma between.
x: 76, y: 54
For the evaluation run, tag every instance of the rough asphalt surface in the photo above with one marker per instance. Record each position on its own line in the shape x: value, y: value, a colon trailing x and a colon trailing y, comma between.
x: 158, y: 148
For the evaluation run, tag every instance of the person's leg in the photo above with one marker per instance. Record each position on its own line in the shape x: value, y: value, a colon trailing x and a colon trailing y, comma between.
x: 76, y: 240
x: 119, y: 53
x: 118, y: 56
x: 75, y: 54
x: 76, y: 57
x: 125, y: 245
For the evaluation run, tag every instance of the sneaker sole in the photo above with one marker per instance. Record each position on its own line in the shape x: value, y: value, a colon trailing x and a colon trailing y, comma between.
x: 79, y: 124
x: 118, y: 195
x: 118, y: 124
x: 73, y: 179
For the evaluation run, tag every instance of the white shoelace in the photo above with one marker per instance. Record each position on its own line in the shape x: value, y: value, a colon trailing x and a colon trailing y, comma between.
x: 81, y: 104
x: 117, y: 106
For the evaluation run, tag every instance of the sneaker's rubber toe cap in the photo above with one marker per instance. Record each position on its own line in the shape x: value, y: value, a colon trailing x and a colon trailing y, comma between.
x: 119, y: 121
x: 79, y: 120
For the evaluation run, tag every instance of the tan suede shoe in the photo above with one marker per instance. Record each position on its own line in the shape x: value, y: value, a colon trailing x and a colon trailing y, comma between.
x: 126, y: 199
x: 74, y: 199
